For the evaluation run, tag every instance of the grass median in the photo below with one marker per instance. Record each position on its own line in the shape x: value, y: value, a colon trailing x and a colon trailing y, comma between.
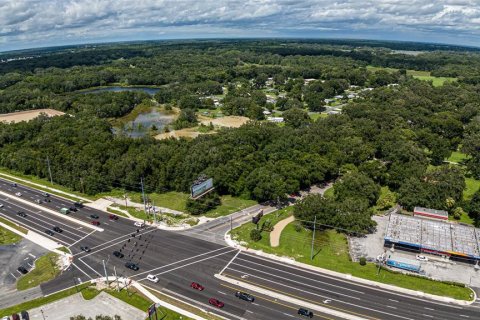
x: 331, y: 252
x: 8, y: 237
x: 46, y: 269
x: 13, y: 225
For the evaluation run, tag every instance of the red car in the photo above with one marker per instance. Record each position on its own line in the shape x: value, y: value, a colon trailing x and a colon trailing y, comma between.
x: 95, y: 223
x: 113, y: 217
x: 216, y: 303
x: 197, y: 286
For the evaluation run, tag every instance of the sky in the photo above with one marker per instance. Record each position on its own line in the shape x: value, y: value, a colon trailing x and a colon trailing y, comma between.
x: 40, y: 23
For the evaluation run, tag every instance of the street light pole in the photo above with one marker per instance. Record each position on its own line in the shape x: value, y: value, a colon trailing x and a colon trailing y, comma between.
x: 105, y: 269
x: 313, y: 237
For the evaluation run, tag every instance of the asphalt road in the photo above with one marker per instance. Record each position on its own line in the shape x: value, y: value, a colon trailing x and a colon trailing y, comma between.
x: 178, y: 259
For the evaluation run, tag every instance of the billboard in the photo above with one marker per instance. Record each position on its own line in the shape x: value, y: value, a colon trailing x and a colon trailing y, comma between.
x: 201, y: 187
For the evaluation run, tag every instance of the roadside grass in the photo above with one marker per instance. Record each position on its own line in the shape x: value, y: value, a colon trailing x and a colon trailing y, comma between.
x: 90, y: 293
x: 331, y: 252
x: 140, y: 214
x: 8, y: 237
x: 117, y: 212
x: 13, y: 225
x: 65, y: 249
x: 472, y: 186
x: 230, y: 205
x: 45, y: 269
x: 171, y: 200
x: 457, y: 157
x: 42, y: 301
x: 43, y: 182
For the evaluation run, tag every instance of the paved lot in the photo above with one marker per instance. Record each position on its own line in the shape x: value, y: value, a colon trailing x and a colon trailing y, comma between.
x: 74, y: 305
x: 371, y: 245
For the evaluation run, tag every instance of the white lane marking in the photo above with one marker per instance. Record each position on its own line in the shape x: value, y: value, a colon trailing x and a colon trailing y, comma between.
x: 90, y: 267
x: 391, y: 307
x: 393, y: 300
x: 296, y: 275
x: 81, y: 239
x: 221, y: 292
x: 81, y: 271
x: 229, y: 262
x: 429, y: 308
x: 303, y: 284
x: 46, y: 227
x: 31, y: 255
x: 427, y: 315
x: 51, y: 225
x: 287, y: 314
x: 183, y: 260
x: 462, y: 315
x: 13, y: 275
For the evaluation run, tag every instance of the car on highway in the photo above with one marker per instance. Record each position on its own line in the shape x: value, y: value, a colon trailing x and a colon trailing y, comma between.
x: 1, y: 205
x: 139, y: 224
x: 49, y: 232
x: 74, y: 209
x: 38, y: 201
x: 78, y: 204
x: 197, y: 286
x: 118, y: 254
x: 22, y: 270
x: 46, y: 194
x: 15, y: 316
x: 57, y: 229
x: 305, y: 312
x: 95, y: 222
x: 94, y: 216
x: 25, y: 315
x: 85, y: 248
x: 46, y: 200
x: 21, y: 214
x: 113, y: 217
x: 244, y: 296
x: 132, y: 266
x: 153, y: 278
x: 18, y: 194
x: 6, y: 318
x: 216, y: 303
x: 421, y: 258
x: 14, y: 185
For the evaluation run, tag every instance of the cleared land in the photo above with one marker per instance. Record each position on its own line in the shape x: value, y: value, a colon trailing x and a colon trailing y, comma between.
x: 28, y: 115
x: 331, y: 252
x: 188, y: 133
x: 421, y: 75
x: 228, y: 121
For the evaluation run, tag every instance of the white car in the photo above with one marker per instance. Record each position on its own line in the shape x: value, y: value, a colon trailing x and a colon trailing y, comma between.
x: 153, y: 278
x: 421, y: 258
x: 139, y: 224
x: 1, y: 205
x: 18, y: 194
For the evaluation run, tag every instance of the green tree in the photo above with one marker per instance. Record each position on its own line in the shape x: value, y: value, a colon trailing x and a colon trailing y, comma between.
x: 296, y: 118
x: 357, y: 185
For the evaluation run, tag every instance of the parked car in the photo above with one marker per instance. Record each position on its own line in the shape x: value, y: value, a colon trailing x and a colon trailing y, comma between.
x: 21, y: 214
x: 22, y: 270
x: 197, y: 286
x: 118, y: 254
x: 94, y: 216
x: 25, y: 315
x: 78, y: 204
x: 49, y: 232
x: 95, y: 222
x: 113, y: 217
x: 57, y: 229
x: 244, y: 296
x: 18, y: 194
x: 305, y: 312
x: 85, y: 248
x: 153, y: 278
x: 216, y: 303
x: 132, y: 266
x: 421, y: 258
x: 139, y: 224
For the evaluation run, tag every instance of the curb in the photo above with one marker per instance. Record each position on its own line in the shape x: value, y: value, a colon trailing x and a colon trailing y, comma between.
x: 28, y: 203
x: 283, y: 297
x: 347, y: 277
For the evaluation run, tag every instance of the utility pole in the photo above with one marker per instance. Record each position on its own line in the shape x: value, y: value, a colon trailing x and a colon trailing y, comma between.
x: 154, y: 212
x: 105, y: 269
x: 49, y: 170
x: 81, y: 184
x: 143, y: 195
x: 313, y: 237
x: 116, y: 278
x: 231, y: 223
x: 126, y: 205
x: 43, y: 316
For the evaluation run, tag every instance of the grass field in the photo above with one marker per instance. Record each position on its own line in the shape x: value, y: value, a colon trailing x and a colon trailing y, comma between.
x: 472, y: 186
x: 229, y: 205
x: 457, y: 157
x: 420, y: 75
x: 331, y: 252
x: 8, y: 237
x: 436, y: 81
x: 45, y: 270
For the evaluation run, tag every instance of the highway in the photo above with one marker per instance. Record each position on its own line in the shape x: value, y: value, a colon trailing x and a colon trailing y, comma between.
x: 178, y: 259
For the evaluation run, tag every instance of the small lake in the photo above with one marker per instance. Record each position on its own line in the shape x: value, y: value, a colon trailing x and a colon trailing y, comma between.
x: 143, y: 123
x: 150, y: 90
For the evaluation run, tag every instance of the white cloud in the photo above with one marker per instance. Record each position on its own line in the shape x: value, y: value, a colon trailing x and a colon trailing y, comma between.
x: 25, y: 23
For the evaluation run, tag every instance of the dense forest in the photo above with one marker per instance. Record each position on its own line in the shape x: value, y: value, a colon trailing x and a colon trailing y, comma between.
x: 396, y: 134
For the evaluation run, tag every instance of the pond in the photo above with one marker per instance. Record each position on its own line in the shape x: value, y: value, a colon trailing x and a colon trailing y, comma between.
x: 144, y: 122
x: 150, y: 90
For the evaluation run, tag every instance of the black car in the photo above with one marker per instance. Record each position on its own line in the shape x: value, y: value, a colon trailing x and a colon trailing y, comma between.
x: 131, y: 265
x: 73, y: 209
x: 57, y: 229
x: 305, y: 312
x: 86, y: 249
x: 22, y: 270
x: 78, y: 204
x: 244, y: 296
x: 118, y: 254
x: 49, y: 232
x: 21, y: 214
x: 25, y: 315
x: 93, y: 216
x: 46, y: 194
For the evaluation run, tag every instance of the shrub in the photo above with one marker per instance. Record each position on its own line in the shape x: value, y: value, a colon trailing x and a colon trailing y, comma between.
x: 255, y: 235
x: 363, y: 261
x: 298, y: 227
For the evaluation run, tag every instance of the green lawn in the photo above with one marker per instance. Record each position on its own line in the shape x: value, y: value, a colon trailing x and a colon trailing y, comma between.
x: 172, y: 200
x: 13, y: 225
x: 8, y: 237
x: 420, y: 75
x: 331, y: 252
x: 472, y: 186
x: 229, y: 205
x: 457, y: 157
x: 45, y: 270
x: 329, y: 193
x: 436, y: 81
x: 463, y: 219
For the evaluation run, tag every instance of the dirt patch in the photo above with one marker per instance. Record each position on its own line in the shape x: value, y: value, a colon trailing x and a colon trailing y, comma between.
x: 228, y: 121
x: 183, y: 133
x: 28, y: 115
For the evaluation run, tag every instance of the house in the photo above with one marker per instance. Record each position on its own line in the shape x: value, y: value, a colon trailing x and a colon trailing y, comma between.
x: 275, y: 119
x: 266, y: 112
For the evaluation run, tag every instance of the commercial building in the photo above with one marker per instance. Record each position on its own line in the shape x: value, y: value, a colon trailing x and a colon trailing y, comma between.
x: 430, y: 213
